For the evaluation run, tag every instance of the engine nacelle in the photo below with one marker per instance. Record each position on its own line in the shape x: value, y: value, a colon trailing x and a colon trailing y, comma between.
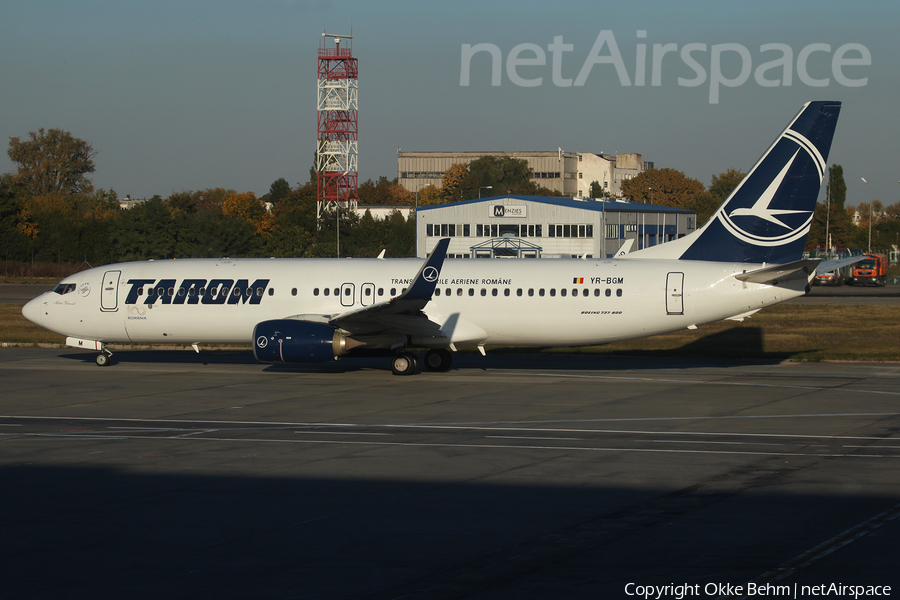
x: 295, y: 341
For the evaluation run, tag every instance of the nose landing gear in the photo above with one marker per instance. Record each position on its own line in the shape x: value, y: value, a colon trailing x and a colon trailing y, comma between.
x: 104, y: 359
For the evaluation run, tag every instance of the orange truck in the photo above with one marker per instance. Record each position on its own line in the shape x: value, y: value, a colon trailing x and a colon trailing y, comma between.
x: 871, y: 269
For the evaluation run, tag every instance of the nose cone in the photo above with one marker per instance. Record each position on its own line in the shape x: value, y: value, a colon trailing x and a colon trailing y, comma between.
x: 33, y: 310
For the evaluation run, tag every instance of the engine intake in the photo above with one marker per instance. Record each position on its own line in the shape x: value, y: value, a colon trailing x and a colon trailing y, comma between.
x: 295, y: 341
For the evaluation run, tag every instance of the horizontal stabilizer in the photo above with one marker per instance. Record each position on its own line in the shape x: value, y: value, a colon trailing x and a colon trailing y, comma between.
x: 830, y: 265
x: 740, y: 318
x: 774, y: 275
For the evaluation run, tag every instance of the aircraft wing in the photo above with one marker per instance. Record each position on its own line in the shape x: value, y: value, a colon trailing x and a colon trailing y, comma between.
x: 801, y: 269
x: 402, y: 314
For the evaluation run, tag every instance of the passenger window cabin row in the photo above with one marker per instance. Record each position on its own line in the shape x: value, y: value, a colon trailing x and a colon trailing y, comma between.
x: 531, y: 292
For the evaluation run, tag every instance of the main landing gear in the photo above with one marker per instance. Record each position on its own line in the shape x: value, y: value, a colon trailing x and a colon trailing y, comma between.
x: 407, y: 363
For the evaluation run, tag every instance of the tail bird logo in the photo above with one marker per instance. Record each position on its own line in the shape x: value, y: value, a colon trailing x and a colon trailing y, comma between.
x: 762, y: 224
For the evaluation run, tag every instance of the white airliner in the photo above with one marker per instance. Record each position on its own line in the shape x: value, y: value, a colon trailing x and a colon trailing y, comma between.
x: 747, y: 257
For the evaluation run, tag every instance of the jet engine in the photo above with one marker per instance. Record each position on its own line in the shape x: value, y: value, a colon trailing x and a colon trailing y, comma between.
x: 295, y: 341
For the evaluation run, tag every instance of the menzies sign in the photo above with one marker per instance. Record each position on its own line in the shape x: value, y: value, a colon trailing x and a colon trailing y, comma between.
x: 501, y: 210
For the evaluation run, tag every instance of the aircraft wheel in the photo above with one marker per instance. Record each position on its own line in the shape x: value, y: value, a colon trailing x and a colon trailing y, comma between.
x: 404, y: 363
x: 438, y: 360
x: 102, y: 360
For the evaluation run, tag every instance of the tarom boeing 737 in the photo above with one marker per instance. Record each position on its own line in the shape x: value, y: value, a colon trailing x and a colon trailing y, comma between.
x: 746, y: 257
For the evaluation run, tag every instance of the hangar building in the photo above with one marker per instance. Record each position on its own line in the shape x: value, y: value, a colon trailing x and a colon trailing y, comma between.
x: 547, y: 227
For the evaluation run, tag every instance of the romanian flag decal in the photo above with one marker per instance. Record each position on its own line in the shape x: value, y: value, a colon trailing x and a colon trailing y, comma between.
x: 578, y: 280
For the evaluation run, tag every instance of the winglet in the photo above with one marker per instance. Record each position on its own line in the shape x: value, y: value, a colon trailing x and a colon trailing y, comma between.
x: 426, y: 279
x: 625, y: 248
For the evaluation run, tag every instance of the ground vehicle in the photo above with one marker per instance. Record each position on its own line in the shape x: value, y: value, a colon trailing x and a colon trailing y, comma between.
x: 871, y: 269
x: 830, y: 278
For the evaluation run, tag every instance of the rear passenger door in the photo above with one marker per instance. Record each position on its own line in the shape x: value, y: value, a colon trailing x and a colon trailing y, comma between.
x: 675, y: 294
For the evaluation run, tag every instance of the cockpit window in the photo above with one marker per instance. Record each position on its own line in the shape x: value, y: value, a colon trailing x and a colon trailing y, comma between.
x: 64, y: 288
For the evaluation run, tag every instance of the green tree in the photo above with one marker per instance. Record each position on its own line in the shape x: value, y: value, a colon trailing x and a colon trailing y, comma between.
x: 704, y: 205
x: 832, y: 215
x: 384, y: 192
x: 430, y: 195
x: 298, y: 209
x: 400, y: 234
x: 502, y: 173
x: 724, y: 183
x: 17, y: 228
x: 278, y: 191
x: 52, y: 162
x: 663, y: 187
x: 290, y: 241
x: 597, y: 190
x: 368, y: 236
x: 452, y: 183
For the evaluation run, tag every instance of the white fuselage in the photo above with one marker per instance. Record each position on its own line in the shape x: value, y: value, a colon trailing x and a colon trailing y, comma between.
x: 487, y: 302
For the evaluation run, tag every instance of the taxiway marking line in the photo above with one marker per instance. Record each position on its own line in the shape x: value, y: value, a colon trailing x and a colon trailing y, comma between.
x: 58, y: 437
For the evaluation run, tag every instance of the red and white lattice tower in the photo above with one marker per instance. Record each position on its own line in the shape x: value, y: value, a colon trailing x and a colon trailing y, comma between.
x: 337, y: 155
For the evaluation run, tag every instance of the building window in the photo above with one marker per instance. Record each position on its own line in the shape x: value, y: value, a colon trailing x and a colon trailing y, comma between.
x: 466, y: 230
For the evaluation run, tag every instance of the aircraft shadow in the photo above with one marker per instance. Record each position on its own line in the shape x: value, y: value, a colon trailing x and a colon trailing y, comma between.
x: 739, y: 345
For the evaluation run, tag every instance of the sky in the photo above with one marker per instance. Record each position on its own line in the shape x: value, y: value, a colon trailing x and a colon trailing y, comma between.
x: 181, y: 96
